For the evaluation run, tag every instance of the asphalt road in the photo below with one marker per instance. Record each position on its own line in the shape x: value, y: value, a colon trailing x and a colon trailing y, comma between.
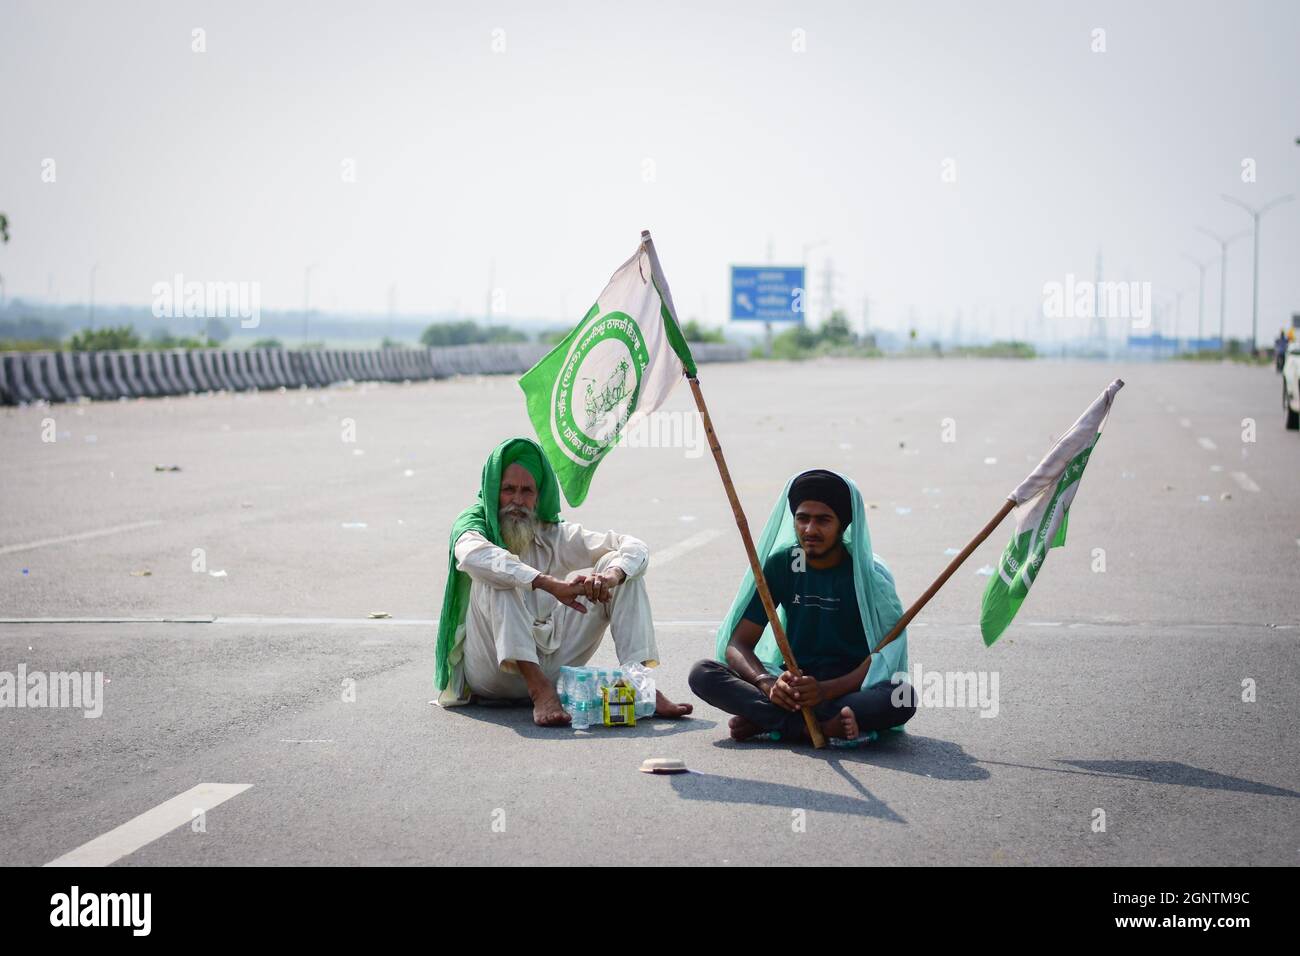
x: 1119, y: 690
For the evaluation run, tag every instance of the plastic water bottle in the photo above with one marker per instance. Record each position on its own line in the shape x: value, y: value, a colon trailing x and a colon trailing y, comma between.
x: 638, y: 677
x: 599, y: 681
x: 564, y: 689
x: 593, y: 709
x: 582, y: 702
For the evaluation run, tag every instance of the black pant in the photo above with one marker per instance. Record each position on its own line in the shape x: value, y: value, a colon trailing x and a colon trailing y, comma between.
x: 874, y: 708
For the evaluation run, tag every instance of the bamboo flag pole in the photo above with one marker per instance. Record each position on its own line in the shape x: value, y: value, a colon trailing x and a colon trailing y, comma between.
x: 1081, y: 435
x: 760, y: 582
x: 953, y: 565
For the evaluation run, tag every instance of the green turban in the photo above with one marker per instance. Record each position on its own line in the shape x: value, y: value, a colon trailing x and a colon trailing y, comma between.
x: 526, y: 453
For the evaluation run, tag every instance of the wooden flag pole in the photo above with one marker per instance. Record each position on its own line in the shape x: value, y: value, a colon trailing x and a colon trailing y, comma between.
x: 956, y: 562
x: 1045, y: 468
x: 760, y: 582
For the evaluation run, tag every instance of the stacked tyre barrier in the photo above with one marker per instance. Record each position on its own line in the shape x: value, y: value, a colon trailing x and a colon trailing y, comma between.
x: 27, y: 377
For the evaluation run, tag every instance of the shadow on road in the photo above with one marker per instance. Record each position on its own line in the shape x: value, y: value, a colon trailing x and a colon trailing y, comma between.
x: 905, y: 752
x: 519, y: 718
x: 1161, y: 771
x: 715, y: 788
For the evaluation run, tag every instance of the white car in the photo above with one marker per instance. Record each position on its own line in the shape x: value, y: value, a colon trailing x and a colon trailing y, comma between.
x: 1291, y: 386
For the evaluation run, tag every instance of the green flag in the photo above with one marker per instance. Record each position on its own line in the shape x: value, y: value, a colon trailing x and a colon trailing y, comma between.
x: 617, y: 366
x: 1041, y: 514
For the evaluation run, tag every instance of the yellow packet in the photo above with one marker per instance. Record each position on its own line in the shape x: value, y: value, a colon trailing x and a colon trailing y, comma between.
x: 618, y: 705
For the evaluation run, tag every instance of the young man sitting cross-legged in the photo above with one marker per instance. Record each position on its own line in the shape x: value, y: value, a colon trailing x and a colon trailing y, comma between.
x: 815, y: 583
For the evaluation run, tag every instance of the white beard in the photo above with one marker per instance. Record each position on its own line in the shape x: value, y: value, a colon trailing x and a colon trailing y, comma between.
x: 517, y: 532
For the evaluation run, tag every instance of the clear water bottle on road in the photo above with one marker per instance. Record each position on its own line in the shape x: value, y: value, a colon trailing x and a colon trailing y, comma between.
x: 638, y: 675
x: 582, y: 701
x: 564, y: 689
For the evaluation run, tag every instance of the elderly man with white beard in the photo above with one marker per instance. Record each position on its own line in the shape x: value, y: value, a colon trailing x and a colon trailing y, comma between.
x: 528, y: 593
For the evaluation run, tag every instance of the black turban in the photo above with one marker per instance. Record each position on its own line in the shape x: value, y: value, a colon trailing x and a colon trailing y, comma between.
x: 828, y: 488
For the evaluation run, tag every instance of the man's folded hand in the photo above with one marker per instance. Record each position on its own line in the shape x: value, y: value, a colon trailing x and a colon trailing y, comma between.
x: 599, y: 586
x: 807, y: 691
x: 781, y: 692
x: 566, y: 592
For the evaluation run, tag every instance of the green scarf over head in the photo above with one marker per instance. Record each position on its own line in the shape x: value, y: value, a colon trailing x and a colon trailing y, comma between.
x: 877, y: 597
x: 482, y: 517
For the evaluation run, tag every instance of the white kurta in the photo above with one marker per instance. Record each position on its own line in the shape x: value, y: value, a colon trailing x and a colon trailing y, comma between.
x: 508, y: 620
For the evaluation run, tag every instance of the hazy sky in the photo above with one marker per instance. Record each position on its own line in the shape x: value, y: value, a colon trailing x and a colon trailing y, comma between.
x: 701, y: 122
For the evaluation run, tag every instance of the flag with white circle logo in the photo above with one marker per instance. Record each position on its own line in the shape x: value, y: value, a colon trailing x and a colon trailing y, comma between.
x: 619, y: 364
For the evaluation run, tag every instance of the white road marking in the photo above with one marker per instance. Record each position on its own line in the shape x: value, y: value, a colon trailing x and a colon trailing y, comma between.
x: 150, y: 825
x: 1243, y: 479
x: 83, y: 536
x: 417, y: 622
x: 322, y: 740
x: 673, y: 552
x: 1207, y: 444
x: 197, y: 619
x: 348, y: 621
x: 277, y: 621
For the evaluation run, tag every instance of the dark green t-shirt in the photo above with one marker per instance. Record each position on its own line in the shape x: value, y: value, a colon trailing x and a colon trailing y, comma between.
x: 822, y: 621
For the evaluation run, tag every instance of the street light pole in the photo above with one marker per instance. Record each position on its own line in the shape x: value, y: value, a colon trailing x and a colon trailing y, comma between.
x: 1200, y: 307
x: 93, y: 270
x: 1256, y: 214
x: 392, y: 307
x: 1178, y: 319
x: 1223, y: 278
x: 807, y: 248
x: 306, y: 300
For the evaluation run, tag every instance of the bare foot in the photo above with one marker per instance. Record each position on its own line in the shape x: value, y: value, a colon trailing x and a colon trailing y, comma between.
x: 742, y: 728
x: 843, y: 725
x: 666, y: 708
x: 547, y: 711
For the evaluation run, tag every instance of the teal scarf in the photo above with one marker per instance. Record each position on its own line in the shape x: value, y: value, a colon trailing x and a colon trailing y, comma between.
x: 877, y: 597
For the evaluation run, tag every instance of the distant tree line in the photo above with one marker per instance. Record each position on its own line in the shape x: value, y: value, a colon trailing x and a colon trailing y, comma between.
x: 31, y: 334
x: 833, y: 337
x: 468, y: 332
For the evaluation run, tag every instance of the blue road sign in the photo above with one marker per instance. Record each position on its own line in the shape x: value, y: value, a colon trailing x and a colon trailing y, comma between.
x: 767, y: 294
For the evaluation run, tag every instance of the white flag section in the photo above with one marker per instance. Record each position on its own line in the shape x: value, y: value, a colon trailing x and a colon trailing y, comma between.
x: 1042, y: 508
x: 618, y: 365
x: 1081, y: 435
